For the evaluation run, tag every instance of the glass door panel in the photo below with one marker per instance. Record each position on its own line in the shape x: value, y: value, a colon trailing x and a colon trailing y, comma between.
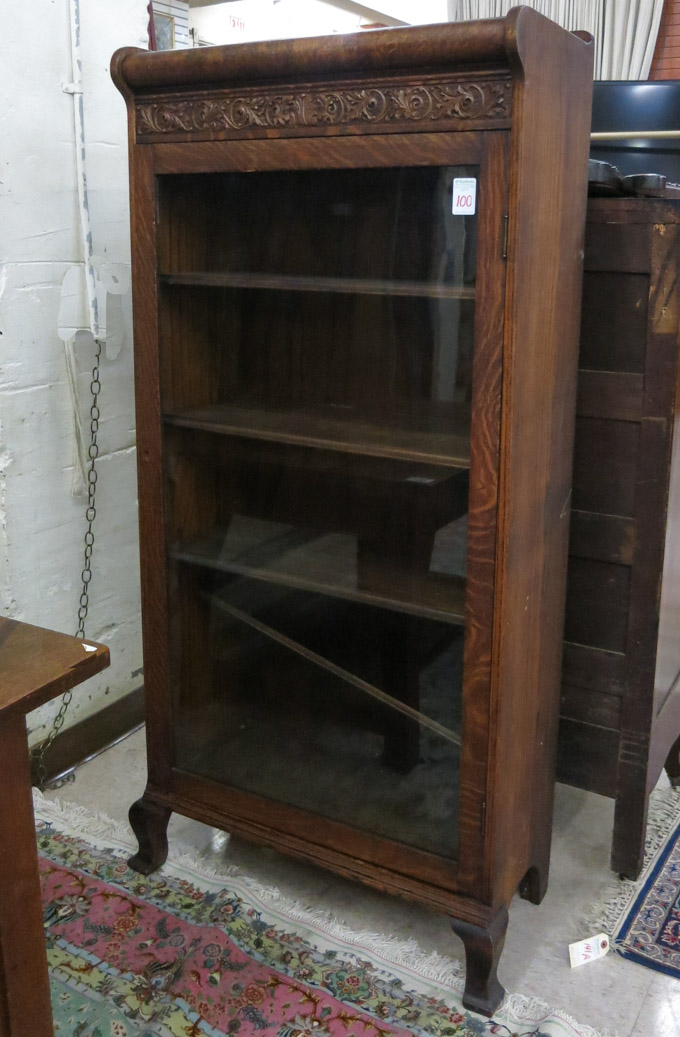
x: 316, y: 356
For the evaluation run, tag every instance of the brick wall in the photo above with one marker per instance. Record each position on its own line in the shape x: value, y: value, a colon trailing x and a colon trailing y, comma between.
x: 666, y: 61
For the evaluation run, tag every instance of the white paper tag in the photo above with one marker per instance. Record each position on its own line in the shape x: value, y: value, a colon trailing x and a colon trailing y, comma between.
x: 89, y: 648
x: 588, y: 950
x: 464, y: 200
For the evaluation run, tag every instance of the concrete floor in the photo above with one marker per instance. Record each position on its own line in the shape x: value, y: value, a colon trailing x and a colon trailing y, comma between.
x: 612, y: 995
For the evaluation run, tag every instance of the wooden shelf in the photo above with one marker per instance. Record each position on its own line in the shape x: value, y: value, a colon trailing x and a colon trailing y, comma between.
x: 427, y: 435
x: 322, y: 564
x: 300, y: 283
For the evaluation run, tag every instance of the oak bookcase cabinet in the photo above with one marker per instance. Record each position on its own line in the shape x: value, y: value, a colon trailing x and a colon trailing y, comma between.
x: 357, y: 267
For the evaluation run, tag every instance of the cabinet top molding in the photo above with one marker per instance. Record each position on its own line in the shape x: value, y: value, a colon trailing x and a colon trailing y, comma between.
x: 492, y: 43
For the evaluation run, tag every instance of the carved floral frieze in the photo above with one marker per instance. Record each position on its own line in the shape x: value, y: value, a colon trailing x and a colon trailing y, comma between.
x: 485, y: 99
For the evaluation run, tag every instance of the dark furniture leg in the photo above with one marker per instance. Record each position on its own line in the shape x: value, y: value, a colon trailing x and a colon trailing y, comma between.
x: 25, y: 1008
x: 149, y: 822
x: 483, y: 946
x: 534, y: 885
x: 630, y: 828
x: 672, y: 764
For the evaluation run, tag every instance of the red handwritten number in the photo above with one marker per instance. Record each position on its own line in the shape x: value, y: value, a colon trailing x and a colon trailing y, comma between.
x: 464, y: 201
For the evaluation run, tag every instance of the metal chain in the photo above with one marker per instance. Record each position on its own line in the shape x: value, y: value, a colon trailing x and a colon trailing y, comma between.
x: 39, y: 751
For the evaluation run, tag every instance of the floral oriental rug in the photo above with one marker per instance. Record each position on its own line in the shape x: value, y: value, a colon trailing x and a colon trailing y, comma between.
x: 188, y: 953
x: 642, y: 918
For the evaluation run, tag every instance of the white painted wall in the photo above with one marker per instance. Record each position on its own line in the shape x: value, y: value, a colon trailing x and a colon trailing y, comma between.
x: 41, y: 521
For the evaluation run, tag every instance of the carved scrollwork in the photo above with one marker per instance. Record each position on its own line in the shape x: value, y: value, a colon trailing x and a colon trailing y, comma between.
x: 486, y: 99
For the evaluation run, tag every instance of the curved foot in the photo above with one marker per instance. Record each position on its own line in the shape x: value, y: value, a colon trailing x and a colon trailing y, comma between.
x: 483, y: 946
x: 149, y: 822
x: 534, y: 885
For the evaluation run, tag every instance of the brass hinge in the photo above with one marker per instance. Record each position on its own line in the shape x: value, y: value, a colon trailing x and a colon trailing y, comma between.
x: 505, y: 237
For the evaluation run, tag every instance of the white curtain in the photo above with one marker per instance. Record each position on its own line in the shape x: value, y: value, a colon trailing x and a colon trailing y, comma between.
x: 630, y: 31
x: 625, y: 31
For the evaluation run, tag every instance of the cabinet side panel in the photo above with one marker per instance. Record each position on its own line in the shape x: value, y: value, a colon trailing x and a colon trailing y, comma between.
x: 481, y: 541
x: 666, y: 309
x: 547, y: 221
x: 653, y: 607
x: 149, y: 462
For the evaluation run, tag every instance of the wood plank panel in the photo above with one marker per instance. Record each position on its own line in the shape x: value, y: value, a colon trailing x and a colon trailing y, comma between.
x: 590, y: 707
x: 598, y: 596
x: 588, y: 757
x: 426, y: 438
x: 605, y: 466
x: 327, y: 565
x: 619, y: 247
x: 343, y: 285
x: 401, y: 149
x: 37, y: 664
x: 610, y: 394
x: 594, y: 668
x: 633, y: 210
x: 613, y: 321
x: 604, y: 538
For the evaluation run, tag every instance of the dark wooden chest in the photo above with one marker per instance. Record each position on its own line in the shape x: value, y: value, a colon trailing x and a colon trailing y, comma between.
x: 620, y: 708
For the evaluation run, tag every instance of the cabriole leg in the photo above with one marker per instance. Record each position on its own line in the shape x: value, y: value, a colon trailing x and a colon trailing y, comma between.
x: 483, y: 946
x: 149, y: 822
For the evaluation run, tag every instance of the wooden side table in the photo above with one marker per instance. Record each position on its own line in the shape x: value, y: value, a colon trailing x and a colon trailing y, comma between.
x: 36, y: 665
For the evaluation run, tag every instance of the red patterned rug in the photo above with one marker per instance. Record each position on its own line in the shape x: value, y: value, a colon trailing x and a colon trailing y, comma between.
x: 186, y: 954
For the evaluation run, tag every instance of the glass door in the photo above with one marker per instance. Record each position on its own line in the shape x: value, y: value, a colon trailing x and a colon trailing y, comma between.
x: 316, y: 342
